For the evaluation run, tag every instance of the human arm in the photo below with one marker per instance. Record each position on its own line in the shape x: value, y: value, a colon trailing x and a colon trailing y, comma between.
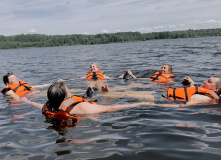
x: 41, y: 86
x: 106, y: 77
x: 13, y: 95
x: 83, y: 77
x: 24, y: 99
x: 88, y: 108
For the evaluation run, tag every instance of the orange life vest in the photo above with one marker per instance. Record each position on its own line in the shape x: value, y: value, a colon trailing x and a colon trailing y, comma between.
x: 161, y: 77
x: 63, y: 116
x: 95, y: 75
x: 20, y: 89
x: 185, y: 93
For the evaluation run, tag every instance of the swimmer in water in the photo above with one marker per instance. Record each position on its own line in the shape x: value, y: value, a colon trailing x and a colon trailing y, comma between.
x: 164, y: 75
x: 17, y: 88
x: 60, y: 99
x: 209, y: 93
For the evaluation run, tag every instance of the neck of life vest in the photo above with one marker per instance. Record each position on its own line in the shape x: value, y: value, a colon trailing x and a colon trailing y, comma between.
x: 95, y: 75
x: 20, y: 89
x: 157, y: 77
x: 64, y: 109
x: 184, y: 94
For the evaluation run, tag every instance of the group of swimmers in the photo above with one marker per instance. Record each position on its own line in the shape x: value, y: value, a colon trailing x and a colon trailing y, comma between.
x: 61, y: 104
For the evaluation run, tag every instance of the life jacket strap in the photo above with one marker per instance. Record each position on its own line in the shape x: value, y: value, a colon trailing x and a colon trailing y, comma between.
x: 26, y: 88
x: 155, y: 78
x: 94, y: 77
x: 186, y: 94
x: 197, y: 89
x: 174, y: 93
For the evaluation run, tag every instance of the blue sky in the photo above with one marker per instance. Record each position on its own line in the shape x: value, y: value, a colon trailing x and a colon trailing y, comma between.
x: 61, y: 17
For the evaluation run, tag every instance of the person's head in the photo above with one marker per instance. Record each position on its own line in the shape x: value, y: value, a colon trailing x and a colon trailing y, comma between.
x: 166, y: 69
x: 94, y: 67
x: 57, y: 92
x: 10, y: 78
x: 213, y: 83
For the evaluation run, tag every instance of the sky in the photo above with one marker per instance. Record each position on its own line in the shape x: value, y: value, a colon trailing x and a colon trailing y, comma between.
x: 65, y: 17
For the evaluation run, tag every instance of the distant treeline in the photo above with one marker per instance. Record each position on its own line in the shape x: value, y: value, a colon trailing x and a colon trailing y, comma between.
x: 39, y: 40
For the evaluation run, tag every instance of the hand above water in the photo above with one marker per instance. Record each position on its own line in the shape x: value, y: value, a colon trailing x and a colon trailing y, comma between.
x: 188, y: 81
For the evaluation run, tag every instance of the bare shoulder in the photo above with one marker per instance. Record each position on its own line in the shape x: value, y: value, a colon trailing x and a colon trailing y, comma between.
x: 86, y: 108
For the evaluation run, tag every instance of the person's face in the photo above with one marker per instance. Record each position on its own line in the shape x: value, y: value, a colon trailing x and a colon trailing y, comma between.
x: 211, y: 83
x: 68, y: 92
x: 93, y: 68
x: 164, y: 69
x: 13, y: 79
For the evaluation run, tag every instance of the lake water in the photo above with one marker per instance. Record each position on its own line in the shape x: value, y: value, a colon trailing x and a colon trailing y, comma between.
x: 144, y: 132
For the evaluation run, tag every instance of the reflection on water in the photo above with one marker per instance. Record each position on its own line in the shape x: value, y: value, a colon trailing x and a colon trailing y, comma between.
x: 135, y: 133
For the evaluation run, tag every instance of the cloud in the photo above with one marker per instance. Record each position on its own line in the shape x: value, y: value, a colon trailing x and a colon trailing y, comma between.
x: 86, y: 33
x: 104, y: 31
x: 92, y: 16
x: 172, y: 26
x: 118, y: 31
x: 32, y: 31
x: 211, y: 21
x: 183, y: 26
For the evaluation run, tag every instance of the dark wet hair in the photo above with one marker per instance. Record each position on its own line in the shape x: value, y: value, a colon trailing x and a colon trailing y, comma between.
x: 56, y: 95
x: 5, y: 77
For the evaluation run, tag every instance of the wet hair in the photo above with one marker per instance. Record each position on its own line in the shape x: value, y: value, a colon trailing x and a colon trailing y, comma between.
x: 5, y: 77
x: 56, y: 95
x: 95, y: 65
x: 218, y: 84
x: 169, y: 68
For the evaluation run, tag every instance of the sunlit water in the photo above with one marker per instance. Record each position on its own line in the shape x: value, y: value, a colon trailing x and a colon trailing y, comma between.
x: 144, y: 132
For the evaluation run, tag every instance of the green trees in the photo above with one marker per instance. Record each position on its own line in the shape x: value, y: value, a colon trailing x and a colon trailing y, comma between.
x: 39, y: 40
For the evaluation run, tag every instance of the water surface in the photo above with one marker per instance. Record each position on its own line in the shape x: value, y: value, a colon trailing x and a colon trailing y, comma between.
x: 144, y: 132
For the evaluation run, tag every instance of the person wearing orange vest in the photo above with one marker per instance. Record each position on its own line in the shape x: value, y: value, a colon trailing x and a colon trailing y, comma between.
x: 209, y: 93
x: 17, y: 88
x: 95, y: 76
x: 213, y: 84
x: 95, y: 73
x: 60, y: 99
x: 164, y: 75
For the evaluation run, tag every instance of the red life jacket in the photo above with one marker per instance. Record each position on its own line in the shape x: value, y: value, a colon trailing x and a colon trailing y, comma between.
x: 161, y: 77
x: 95, y: 75
x: 62, y: 115
x: 20, y: 89
x: 185, y: 94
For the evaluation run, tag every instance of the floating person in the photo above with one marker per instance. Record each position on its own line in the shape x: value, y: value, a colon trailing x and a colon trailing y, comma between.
x: 209, y: 93
x: 17, y: 88
x: 95, y: 76
x: 95, y: 73
x: 164, y: 75
x: 61, y: 105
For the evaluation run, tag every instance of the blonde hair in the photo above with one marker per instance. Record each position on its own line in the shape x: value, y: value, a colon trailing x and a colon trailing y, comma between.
x: 95, y: 65
x: 169, y: 68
